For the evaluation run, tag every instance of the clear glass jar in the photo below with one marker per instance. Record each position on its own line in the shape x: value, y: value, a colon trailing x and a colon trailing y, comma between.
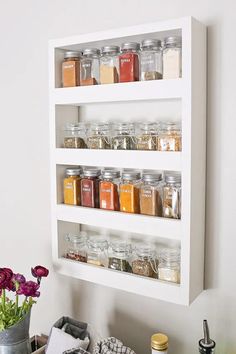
x: 99, y: 136
x: 172, y: 58
x: 76, y: 247
x: 123, y: 137
x: 169, y: 265
x: 144, y: 261
x: 72, y: 186
x: 97, y: 251
x: 90, y: 188
x: 129, y: 192
x: 170, y: 137
x: 172, y: 196
x: 109, y: 190
x: 75, y: 136
x: 151, y: 60
x: 146, y: 136
x: 151, y: 194
x: 89, y: 67
x: 119, y: 255
x: 71, y: 69
x: 109, y: 65
x: 129, y: 62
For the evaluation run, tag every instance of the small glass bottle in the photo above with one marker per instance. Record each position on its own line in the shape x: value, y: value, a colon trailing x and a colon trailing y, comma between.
x: 72, y: 186
x: 109, y: 190
x: 97, y: 251
x: 146, y: 136
x: 129, y: 192
x: 89, y: 67
x: 151, y: 60
x: 90, y: 188
x: 206, y: 344
x: 172, y: 196
x: 159, y: 343
x: 151, y: 194
x: 144, y: 261
x: 99, y: 136
x: 75, y: 136
x: 109, y: 65
x: 76, y: 249
x: 123, y: 137
x: 170, y: 137
x: 129, y: 62
x: 119, y: 255
x: 169, y: 265
x: 172, y: 58
x: 71, y: 69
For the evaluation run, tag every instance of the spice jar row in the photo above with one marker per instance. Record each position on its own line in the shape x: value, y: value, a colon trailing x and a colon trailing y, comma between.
x: 124, y: 136
x: 132, y: 61
x: 140, y: 259
x: 153, y: 193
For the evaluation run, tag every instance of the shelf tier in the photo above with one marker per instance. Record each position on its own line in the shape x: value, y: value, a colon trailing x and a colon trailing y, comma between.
x: 121, y: 280
x: 166, y: 161
x: 148, y: 225
x: 132, y: 91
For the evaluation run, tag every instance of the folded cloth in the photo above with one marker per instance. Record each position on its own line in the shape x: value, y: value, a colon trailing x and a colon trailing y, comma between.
x: 111, y: 345
x: 76, y: 351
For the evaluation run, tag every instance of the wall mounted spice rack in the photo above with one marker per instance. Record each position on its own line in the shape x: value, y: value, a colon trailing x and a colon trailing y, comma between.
x: 183, y: 98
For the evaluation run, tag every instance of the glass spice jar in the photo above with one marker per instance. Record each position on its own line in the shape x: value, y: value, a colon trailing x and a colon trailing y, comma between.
x: 151, y: 194
x: 76, y: 249
x: 172, y: 58
x: 89, y: 67
x: 123, y: 136
x: 172, y: 196
x: 90, y: 188
x: 129, y: 62
x: 75, y: 136
x: 144, y: 261
x: 119, y: 255
x: 129, y: 192
x: 151, y: 60
x: 169, y: 265
x: 146, y: 136
x: 71, y: 69
x: 99, y: 136
x: 72, y: 186
x: 170, y: 137
x: 109, y: 65
x: 109, y: 190
x: 97, y: 251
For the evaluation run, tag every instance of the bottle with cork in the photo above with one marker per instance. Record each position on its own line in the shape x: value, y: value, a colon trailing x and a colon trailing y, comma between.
x: 159, y: 343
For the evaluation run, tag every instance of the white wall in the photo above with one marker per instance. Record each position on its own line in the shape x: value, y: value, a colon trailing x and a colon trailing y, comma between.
x: 25, y: 28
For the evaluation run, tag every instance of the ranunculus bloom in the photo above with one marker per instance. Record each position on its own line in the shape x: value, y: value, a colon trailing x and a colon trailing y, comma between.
x: 5, y: 278
x: 39, y: 272
x: 29, y: 288
x: 18, y: 278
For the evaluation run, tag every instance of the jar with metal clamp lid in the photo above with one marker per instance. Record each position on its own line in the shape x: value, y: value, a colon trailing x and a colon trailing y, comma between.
x: 119, y: 255
x: 123, y: 137
x: 97, y: 251
x: 146, y: 136
x: 99, y: 136
x: 144, y: 261
x: 76, y: 247
x: 75, y: 136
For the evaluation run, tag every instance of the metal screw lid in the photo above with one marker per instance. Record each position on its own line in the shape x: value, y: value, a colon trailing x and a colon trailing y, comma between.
x: 154, y: 43
x: 91, y: 51
x: 152, y: 176
x: 130, y: 45
x: 173, y: 40
x: 131, y: 175
x: 159, y: 341
x: 92, y: 172
x: 110, y: 173
x: 110, y: 49
x: 173, y: 177
x: 73, y: 54
x: 73, y: 171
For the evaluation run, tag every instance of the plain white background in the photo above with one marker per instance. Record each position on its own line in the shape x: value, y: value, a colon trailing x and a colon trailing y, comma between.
x: 25, y: 28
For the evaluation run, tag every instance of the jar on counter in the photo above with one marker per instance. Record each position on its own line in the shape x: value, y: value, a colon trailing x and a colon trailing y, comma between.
x: 119, y: 255
x: 99, y: 136
x: 76, y: 247
x: 89, y: 67
x: 172, y: 58
x: 144, y: 261
x: 72, y: 186
x: 151, y: 194
x: 170, y: 137
x: 159, y: 343
x: 71, y: 69
x: 109, y: 190
x: 169, y: 265
x: 151, y: 60
x: 123, y: 136
x: 75, y: 136
x: 129, y: 192
x: 97, y: 251
x: 129, y: 62
x: 109, y: 64
x: 146, y: 136
x: 172, y: 196
x: 90, y: 188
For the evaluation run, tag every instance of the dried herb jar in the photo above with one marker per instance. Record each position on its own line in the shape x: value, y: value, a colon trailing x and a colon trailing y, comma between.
x: 97, y: 251
x: 151, y: 60
x: 89, y: 67
x: 172, y: 196
x: 172, y: 58
x: 76, y: 247
x: 119, y: 255
x: 109, y: 65
x: 123, y: 136
x: 75, y: 136
x: 144, y: 261
x: 169, y: 265
x: 71, y: 69
x: 90, y: 188
x: 72, y: 186
x: 151, y: 194
x: 109, y: 190
x: 170, y: 137
x: 99, y: 136
x: 129, y: 192
x: 146, y: 136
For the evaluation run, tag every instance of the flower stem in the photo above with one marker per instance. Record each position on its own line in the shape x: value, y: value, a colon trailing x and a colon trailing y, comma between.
x: 3, y: 300
x: 16, y: 304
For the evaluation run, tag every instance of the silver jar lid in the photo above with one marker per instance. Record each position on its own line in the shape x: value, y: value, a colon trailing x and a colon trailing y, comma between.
x: 110, y: 173
x: 173, y: 40
x: 173, y: 178
x: 110, y: 49
x: 73, y: 171
x: 130, y: 45
x: 152, y: 176
x: 91, y: 51
x: 73, y: 54
x: 154, y: 43
x: 92, y: 172
x: 131, y: 175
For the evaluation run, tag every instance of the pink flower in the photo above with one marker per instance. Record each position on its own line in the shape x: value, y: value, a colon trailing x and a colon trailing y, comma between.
x: 29, y: 288
x: 39, y: 271
x: 18, y: 278
x: 5, y: 278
